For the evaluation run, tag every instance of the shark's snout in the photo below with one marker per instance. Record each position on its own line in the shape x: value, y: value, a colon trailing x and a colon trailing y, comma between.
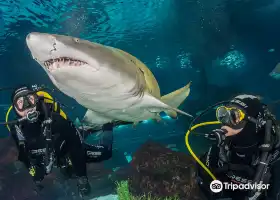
x: 51, y: 53
x: 40, y: 37
x: 40, y: 45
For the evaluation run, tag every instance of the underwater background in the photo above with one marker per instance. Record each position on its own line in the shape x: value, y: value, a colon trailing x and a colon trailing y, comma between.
x: 225, y: 47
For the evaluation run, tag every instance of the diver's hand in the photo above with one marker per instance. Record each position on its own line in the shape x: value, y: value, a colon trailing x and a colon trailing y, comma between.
x: 230, y: 131
x: 217, y: 135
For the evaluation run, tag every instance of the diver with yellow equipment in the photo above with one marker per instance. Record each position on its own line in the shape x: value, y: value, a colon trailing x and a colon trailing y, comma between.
x: 246, y: 151
x: 45, y: 137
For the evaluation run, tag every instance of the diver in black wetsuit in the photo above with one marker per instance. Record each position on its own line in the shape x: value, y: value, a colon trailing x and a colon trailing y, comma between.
x: 46, y: 135
x: 247, y: 151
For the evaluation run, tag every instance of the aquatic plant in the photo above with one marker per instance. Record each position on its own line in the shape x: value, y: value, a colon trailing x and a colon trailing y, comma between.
x: 124, y: 194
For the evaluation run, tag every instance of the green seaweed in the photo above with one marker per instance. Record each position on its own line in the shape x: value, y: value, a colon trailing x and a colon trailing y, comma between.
x: 124, y: 194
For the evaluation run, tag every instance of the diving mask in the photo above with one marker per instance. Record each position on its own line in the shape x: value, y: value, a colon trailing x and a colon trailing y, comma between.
x: 25, y: 101
x: 230, y: 116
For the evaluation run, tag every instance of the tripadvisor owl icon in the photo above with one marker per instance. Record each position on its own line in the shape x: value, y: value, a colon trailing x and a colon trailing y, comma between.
x: 216, y: 186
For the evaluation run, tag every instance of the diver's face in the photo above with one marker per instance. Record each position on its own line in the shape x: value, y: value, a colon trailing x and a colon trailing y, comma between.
x: 236, y: 116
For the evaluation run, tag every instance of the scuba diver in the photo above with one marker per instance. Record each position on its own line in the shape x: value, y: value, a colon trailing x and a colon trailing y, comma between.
x: 43, y: 135
x: 246, y: 150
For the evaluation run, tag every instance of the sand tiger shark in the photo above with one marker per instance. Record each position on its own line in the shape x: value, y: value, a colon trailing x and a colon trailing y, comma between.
x: 111, y: 83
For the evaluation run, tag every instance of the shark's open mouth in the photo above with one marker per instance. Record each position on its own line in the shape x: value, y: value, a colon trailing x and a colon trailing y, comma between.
x: 63, y: 62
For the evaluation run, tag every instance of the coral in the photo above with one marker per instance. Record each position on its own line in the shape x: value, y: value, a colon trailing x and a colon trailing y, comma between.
x: 161, y: 172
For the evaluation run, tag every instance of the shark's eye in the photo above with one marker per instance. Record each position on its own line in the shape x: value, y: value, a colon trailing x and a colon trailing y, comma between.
x: 76, y: 40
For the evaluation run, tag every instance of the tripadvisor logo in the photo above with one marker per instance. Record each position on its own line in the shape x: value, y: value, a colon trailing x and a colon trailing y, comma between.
x: 217, y: 186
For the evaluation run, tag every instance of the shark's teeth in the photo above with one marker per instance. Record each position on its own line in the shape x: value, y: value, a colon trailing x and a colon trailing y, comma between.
x: 59, y: 62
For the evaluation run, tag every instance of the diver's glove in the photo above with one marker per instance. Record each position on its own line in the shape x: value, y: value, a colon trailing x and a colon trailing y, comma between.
x: 218, y: 135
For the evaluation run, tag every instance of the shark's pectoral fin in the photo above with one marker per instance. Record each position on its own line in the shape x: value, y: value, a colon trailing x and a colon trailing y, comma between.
x: 176, y: 98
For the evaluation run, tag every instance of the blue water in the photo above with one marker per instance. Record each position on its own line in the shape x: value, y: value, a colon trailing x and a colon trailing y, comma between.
x: 223, y: 47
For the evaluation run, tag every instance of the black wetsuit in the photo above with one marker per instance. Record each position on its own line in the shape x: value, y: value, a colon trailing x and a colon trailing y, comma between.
x: 242, y: 170
x: 103, y: 150
x: 31, y: 143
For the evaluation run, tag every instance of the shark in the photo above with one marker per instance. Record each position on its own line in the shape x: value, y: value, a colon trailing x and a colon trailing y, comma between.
x: 111, y: 83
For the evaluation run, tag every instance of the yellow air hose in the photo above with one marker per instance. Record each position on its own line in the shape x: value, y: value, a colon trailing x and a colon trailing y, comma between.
x: 7, y: 117
x: 190, y: 149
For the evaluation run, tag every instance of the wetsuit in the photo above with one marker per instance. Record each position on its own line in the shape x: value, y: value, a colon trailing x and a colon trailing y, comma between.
x: 103, y: 150
x: 31, y: 143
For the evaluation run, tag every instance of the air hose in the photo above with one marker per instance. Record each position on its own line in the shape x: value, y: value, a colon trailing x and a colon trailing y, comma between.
x: 191, y: 151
